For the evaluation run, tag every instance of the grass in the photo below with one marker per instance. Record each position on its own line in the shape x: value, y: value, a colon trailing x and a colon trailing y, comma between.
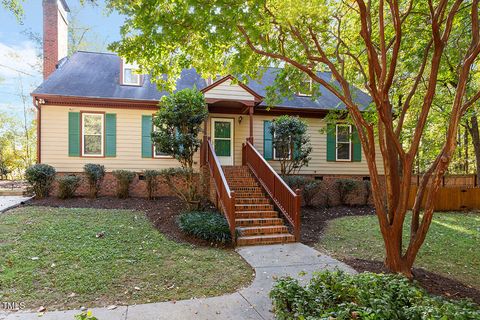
x: 52, y: 257
x: 451, y: 247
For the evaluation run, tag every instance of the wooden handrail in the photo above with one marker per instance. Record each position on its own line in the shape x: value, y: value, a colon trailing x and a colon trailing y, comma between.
x: 225, y: 196
x: 285, y: 198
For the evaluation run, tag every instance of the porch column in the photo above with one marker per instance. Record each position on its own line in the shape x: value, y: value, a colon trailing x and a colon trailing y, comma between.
x: 250, y: 112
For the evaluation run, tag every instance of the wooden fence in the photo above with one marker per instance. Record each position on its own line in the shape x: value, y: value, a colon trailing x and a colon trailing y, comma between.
x: 458, y: 192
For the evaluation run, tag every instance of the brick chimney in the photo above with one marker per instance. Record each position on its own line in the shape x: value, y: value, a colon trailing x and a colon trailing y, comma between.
x: 55, y: 34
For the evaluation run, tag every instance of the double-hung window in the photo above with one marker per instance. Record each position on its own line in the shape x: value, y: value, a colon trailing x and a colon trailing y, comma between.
x: 93, y: 133
x: 281, y: 150
x: 344, y: 142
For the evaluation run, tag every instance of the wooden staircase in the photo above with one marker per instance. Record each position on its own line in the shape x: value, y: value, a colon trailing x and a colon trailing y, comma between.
x: 256, y: 219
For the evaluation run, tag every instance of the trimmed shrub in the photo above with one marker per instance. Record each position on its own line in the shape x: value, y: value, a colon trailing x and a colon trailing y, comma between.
x: 67, y: 185
x: 345, y: 187
x: 151, y: 181
x: 95, y: 174
x: 40, y: 177
x: 210, y: 226
x: 308, y: 186
x: 338, y: 295
x: 124, y: 178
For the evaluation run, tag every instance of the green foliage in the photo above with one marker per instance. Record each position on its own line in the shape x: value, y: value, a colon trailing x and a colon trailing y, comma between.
x: 67, y: 185
x: 85, y: 316
x: 338, y: 295
x: 4, y: 170
x: 178, y: 123
x: 17, y: 144
x: 291, y: 142
x: 210, y: 226
x: 309, y: 187
x: 345, y: 187
x: 40, y: 177
x: 95, y: 174
x: 124, y: 179
x: 151, y: 181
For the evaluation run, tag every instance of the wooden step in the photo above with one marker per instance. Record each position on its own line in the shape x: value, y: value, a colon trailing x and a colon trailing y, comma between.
x: 265, y: 239
x: 255, y: 214
x: 253, y: 207
x: 247, y: 189
x: 253, y: 231
x: 247, y: 194
x: 250, y: 222
x: 240, y: 184
x: 257, y: 200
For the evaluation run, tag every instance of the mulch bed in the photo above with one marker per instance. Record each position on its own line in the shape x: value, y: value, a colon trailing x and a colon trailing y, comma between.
x: 314, y: 221
x: 162, y: 212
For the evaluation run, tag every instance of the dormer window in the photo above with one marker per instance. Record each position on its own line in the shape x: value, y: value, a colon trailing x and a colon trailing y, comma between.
x: 129, y: 76
x: 306, y: 88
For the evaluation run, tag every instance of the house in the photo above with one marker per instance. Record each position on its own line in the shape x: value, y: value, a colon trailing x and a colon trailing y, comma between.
x: 93, y: 108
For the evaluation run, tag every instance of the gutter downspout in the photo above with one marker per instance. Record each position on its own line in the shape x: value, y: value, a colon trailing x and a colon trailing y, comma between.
x: 36, y: 104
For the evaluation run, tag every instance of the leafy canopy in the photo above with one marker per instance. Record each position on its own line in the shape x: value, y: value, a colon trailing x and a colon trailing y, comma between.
x: 178, y: 122
x: 291, y: 142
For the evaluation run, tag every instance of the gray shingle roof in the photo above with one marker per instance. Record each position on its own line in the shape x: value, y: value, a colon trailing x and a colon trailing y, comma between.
x: 96, y: 75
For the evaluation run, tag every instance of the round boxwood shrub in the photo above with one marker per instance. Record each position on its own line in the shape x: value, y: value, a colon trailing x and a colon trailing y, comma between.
x: 338, y: 295
x: 210, y: 226
x: 40, y: 177
x: 67, y: 185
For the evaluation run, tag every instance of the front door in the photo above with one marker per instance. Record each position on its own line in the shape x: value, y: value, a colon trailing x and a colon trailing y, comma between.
x: 222, y: 136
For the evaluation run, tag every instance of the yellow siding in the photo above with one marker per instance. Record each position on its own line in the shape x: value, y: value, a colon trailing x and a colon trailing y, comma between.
x: 54, y: 141
x: 228, y: 91
x: 318, y: 164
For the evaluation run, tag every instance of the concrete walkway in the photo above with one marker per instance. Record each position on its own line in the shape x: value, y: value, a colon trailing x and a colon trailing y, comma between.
x: 269, y: 262
x: 9, y: 202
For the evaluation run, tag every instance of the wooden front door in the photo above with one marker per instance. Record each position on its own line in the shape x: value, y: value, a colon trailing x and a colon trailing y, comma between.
x: 222, y: 137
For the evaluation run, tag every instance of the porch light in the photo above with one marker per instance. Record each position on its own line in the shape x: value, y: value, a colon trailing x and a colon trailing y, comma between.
x: 240, y: 119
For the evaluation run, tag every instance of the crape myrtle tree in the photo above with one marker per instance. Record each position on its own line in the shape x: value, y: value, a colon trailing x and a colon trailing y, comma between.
x: 377, y: 45
x: 291, y: 142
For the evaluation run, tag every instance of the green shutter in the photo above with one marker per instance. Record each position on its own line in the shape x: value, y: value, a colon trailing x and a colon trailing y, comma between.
x: 357, y: 146
x: 110, y: 135
x: 74, y: 134
x: 267, y: 140
x: 331, y: 142
x: 147, y: 137
x: 296, y: 150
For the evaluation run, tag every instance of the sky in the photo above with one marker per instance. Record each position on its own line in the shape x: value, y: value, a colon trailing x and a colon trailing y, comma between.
x: 19, y: 53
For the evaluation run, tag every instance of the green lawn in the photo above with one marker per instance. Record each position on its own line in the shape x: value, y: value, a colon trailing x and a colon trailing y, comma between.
x: 52, y: 257
x: 452, y: 246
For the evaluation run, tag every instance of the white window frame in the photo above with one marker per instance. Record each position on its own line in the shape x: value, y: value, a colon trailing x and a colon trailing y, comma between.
x: 133, y: 67
x: 343, y: 142
x: 301, y: 94
x: 102, y: 143
x: 163, y: 156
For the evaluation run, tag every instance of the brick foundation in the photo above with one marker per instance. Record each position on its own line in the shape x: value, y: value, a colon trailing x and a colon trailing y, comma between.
x: 138, y: 187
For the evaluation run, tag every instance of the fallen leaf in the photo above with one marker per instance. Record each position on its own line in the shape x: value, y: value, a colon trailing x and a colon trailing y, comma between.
x: 41, y: 309
x: 35, y: 258
x: 112, y: 307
